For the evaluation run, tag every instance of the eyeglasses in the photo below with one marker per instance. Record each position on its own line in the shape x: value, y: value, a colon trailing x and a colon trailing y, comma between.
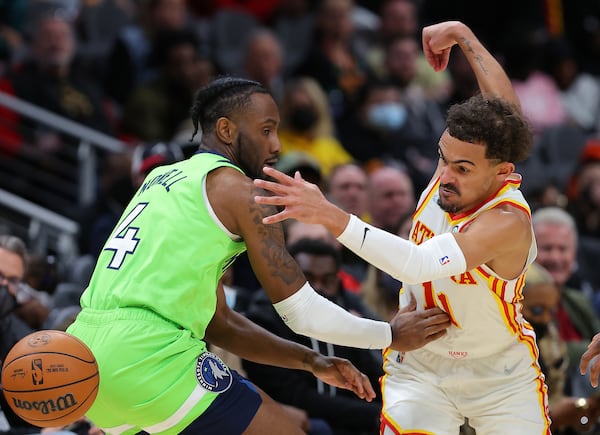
x: 13, y: 281
x: 538, y: 310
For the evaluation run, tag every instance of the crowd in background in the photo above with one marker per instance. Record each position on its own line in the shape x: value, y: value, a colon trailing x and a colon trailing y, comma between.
x: 361, y: 114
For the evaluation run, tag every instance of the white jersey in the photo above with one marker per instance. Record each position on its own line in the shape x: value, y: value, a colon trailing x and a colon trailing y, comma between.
x: 485, y: 309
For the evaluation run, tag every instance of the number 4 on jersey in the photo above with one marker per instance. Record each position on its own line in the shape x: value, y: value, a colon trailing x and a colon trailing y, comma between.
x: 124, y: 241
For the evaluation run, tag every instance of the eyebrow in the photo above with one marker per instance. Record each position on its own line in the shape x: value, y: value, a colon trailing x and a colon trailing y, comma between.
x: 455, y: 162
x: 270, y: 121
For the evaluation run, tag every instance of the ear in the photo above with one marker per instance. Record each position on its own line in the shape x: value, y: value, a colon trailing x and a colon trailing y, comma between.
x: 226, y: 130
x: 504, y: 169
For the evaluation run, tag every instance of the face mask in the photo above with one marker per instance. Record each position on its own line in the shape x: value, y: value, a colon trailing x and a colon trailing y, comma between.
x: 7, y: 301
x: 387, y: 116
x: 303, y: 118
x: 540, y: 329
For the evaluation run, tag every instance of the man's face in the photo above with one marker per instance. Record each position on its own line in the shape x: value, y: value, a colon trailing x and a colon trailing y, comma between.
x: 348, y: 189
x: 11, y: 273
x: 321, y: 273
x: 540, y: 303
x: 391, y: 198
x: 54, y: 44
x: 11, y: 269
x: 557, y: 250
x: 257, y: 143
x: 467, y: 177
x: 182, y: 65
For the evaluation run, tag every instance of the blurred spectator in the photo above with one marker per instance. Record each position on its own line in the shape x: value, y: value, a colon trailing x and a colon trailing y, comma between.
x: 262, y: 10
x: 381, y: 132
x: 391, y: 198
x: 345, y: 414
x: 347, y: 187
x: 13, y: 261
x: 307, y: 126
x: 541, y: 298
x: 52, y: 79
x: 579, y: 91
x: 399, y: 20
x: 294, y: 24
x: 12, y: 21
x: 333, y: 60
x: 263, y: 61
x: 584, y: 191
x: 156, y: 110
x: 538, y: 93
x: 150, y: 155
x: 556, y: 238
x: 301, y: 161
x: 127, y: 62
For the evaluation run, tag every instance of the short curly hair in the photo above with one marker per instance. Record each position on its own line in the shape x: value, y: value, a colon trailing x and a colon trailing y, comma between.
x: 492, y: 122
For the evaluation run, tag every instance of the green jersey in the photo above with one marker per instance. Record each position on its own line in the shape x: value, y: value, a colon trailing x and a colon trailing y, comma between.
x: 150, y: 299
x: 168, y: 250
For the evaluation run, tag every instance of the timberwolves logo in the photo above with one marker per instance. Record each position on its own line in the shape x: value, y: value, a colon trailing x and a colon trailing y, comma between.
x: 212, y: 373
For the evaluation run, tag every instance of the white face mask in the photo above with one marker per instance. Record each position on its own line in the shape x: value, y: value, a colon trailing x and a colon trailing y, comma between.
x: 387, y: 116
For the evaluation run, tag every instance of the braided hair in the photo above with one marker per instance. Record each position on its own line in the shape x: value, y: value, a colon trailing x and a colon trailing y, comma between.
x: 219, y: 98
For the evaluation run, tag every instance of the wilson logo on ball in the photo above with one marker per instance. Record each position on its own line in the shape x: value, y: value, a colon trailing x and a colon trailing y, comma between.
x: 47, y: 406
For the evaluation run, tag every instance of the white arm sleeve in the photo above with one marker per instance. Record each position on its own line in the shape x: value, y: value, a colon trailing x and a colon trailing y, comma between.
x: 438, y: 257
x: 308, y: 313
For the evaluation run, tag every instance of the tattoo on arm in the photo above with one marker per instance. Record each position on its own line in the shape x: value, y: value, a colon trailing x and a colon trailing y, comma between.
x: 272, y: 242
x: 478, y: 57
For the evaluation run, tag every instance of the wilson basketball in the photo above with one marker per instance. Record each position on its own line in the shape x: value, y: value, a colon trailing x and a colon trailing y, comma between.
x: 50, y: 378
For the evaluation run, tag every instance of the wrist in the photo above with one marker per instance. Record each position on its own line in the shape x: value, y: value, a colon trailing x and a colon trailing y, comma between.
x: 308, y: 361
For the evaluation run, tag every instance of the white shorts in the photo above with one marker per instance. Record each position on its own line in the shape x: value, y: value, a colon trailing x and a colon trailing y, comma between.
x: 424, y: 393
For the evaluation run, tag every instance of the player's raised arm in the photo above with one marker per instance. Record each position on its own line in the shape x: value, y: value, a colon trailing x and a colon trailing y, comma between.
x: 438, y: 40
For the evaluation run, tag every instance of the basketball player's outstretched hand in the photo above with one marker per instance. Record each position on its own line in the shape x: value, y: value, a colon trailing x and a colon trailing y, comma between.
x: 341, y: 373
x: 301, y: 200
x: 412, y: 328
x: 590, y: 356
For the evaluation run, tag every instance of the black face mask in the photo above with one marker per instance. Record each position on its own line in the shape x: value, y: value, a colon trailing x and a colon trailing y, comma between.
x: 7, y: 301
x: 303, y: 118
x: 540, y: 329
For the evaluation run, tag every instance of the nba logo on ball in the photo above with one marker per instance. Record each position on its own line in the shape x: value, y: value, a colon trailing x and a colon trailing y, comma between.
x: 212, y: 373
x: 50, y: 378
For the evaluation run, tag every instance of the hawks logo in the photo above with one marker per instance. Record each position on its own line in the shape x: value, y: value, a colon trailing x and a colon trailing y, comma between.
x: 212, y: 373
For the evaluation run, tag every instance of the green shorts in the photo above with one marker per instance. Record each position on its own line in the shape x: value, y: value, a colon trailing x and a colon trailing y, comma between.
x: 148, y: 371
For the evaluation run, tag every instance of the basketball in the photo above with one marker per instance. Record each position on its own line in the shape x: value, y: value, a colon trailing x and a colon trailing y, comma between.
x: 50, y: 378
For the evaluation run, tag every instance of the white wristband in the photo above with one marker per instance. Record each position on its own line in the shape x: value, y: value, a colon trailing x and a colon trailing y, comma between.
x: 438, y: 257
x: 308, y: 313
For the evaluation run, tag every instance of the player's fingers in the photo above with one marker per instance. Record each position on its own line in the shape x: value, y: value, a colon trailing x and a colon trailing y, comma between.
x: 368, y: 388
x: 584, y: 362
x: 277, y: 175
x: 594, y: 372
x: 278, y: 217
x: 270, y: 186
x: 412, y: 305
x: 436, y: 335
x: 441, y: 319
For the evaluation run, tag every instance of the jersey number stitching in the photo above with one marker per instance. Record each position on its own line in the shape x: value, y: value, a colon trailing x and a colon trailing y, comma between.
x: 124, y: 243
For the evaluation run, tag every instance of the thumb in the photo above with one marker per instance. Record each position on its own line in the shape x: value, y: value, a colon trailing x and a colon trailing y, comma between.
x: 298, y: 176
x: 412, y: 305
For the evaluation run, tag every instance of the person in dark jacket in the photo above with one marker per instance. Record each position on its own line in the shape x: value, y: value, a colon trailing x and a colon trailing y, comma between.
x: 347, y: 415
